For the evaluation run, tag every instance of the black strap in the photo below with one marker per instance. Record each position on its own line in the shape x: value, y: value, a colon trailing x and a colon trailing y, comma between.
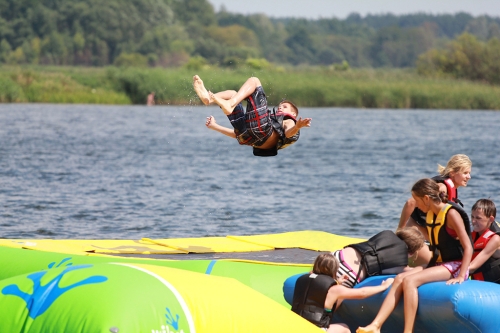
x: 306, y: 292
x: 435, y: 255
x: 265, y: 152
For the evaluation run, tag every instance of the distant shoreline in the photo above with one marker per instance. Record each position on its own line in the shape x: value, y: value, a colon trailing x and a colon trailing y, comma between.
x: 307, y: 87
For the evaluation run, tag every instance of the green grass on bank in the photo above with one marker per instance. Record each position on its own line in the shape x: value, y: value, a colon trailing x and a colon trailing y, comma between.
x: 313, y: 87
x: 53, y: 85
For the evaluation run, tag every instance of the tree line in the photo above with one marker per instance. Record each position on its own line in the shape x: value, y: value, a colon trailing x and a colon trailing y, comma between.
x: 466, y: 57
x: 172, y: 33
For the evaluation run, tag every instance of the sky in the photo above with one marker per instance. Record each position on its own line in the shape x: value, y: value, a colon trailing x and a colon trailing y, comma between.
x: 313, y: 9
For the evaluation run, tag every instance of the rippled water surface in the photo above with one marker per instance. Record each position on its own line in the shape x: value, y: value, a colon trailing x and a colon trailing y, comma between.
x: 128, y: 172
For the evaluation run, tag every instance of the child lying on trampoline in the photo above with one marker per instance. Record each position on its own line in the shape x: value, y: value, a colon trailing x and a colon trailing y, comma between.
x: 257, y: 126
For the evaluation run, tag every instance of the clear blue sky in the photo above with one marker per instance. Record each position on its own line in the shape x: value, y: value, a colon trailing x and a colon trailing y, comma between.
x: 313, y: 9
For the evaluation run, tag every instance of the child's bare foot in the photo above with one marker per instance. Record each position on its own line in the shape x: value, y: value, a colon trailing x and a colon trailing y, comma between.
x: 368, y: 329
x: 201, y: 91
x: 224, y: 104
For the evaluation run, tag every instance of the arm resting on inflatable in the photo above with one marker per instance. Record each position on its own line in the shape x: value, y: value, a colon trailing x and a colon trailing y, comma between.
x: 485, y: 253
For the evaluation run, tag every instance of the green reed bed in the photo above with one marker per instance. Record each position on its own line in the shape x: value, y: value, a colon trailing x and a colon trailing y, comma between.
x: 311, y: 87
x: 385, y: 90
x: 52, y: 85
x: 359, y: 88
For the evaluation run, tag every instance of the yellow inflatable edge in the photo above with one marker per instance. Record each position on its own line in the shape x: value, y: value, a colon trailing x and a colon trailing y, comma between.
x: 307, y: 239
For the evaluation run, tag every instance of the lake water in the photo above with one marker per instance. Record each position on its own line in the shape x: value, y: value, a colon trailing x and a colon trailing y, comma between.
x: 127, y: 172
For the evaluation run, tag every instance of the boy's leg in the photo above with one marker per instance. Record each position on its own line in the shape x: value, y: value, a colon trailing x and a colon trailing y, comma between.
x: 226, y: 94
x: 246, y: 90
x: 238, y: 121
x: 203, y: 94
x: 201, y: 91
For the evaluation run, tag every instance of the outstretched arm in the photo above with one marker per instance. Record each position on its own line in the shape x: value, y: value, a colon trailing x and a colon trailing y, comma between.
x: 454, y: 221
x: 292, y: 128
x: 408, y: 208
x: 339, y: 292
x: 485, y: 253
x: 212, y: 124
x: 364, y: 292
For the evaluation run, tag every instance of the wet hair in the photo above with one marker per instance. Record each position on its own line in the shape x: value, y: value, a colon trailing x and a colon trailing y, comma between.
x: 294, y: 107
x: 412, y: 237
x: 326, y: 264
x: 427, y: 186
x: 487, y: 206
x: 456, y: 163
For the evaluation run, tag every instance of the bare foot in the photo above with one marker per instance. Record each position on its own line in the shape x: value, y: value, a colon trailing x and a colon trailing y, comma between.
x: 201, y: 91
x: 224, y: 104
x: 368, y: 329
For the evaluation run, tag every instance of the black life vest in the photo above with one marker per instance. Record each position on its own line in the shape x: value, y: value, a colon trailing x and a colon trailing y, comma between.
x: 445, y: 247
x: 309, y: 298
x: 490, y: 270
x: 383, y: 251
x: 277, y: 119
x: 495, y: 227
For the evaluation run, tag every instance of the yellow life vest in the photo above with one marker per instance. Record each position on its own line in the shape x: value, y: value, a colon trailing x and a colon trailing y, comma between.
x: 445, y: 247
x: 434, y: 226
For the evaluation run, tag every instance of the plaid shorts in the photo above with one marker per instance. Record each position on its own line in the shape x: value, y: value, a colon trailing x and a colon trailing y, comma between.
x: 253, y: 127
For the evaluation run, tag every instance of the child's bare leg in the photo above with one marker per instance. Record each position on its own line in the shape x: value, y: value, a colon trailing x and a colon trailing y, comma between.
x: 201, y: 91
x: 226, y: 94
x: 410, y: 285
x: 246, y: 90
x: 372, y: 328
x: 410, y: 305
x: 228, y: 105
x: 225, y: 104
x: 389, y: 304
x: 338, y: 328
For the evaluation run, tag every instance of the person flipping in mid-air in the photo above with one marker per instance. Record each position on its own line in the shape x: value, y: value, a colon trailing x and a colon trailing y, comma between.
x: 265, y: 131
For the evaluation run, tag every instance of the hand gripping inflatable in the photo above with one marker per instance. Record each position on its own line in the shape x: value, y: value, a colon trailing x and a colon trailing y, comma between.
x: 464, y: 308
